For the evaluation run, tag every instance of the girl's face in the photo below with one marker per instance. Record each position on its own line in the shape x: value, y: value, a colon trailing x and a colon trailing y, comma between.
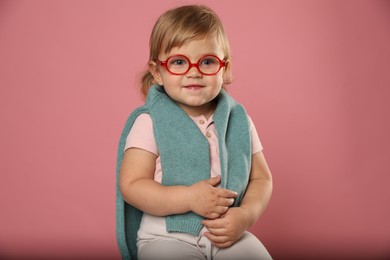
x: 192, y: 91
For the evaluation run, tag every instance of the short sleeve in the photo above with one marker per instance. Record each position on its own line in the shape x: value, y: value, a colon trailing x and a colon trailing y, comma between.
x: 141, y: 135
x: 256, y: 144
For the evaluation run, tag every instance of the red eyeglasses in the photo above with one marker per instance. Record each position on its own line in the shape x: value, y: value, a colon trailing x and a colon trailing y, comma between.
x: 180, y: 64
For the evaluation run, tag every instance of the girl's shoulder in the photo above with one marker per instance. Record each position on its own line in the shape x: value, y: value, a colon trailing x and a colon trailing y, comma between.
x: 141, y: 134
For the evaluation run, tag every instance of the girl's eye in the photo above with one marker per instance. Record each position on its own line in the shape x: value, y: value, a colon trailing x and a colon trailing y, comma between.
x: 209, y: 61
x: 177, y: 62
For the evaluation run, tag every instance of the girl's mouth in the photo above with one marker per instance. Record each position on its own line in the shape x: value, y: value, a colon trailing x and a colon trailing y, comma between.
x: 193, y: 87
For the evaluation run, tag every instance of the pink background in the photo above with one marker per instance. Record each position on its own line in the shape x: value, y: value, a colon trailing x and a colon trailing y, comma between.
x: 314, y: 75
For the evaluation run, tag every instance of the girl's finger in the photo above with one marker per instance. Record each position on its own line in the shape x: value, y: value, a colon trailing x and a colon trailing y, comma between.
x: 217, y: 231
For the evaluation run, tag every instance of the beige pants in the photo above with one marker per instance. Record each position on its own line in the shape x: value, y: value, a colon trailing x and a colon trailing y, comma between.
x: 248, y: 247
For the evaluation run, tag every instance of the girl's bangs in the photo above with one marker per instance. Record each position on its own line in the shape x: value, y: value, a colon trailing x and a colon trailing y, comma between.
x: 178, y: 38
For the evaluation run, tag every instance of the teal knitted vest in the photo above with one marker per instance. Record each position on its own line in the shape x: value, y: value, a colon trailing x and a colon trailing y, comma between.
x: 177, y: 136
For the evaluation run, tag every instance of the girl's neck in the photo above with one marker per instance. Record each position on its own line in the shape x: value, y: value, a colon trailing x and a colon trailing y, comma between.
x: 207, y: 110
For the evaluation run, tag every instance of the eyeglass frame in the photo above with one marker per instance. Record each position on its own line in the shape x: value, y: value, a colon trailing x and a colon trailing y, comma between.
x: 222, y: 63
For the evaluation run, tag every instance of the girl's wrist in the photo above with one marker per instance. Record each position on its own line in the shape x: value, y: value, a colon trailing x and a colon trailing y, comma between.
x: 188, y: 198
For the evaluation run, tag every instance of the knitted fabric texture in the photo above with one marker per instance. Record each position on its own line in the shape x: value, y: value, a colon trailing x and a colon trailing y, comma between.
x: 185, y: 159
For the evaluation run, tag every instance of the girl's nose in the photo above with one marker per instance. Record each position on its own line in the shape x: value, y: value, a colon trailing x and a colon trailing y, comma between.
x: 194, y: 72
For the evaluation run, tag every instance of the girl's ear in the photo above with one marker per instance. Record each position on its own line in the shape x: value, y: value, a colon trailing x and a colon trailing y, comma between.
x: 155, y: 72
x: 227, y: 74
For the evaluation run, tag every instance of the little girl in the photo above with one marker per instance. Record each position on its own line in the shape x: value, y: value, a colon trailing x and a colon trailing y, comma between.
x: 191, y: 175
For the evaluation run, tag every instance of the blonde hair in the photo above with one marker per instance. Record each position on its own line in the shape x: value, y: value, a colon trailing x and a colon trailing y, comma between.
x: 178, y: 25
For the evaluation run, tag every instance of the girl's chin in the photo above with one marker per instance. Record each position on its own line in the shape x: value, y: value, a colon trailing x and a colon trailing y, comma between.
x: 194, y: 104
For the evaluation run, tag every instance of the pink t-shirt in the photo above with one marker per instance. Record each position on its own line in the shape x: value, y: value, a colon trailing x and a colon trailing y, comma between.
x: 141, y: 136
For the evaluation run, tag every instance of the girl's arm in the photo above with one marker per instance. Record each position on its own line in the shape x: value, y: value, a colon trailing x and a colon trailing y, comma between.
x: 259, y: 189
x: 227, y: 229
x: 139, y: 189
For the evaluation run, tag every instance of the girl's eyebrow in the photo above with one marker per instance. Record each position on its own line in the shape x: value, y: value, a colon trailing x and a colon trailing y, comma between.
x: 195, y: 58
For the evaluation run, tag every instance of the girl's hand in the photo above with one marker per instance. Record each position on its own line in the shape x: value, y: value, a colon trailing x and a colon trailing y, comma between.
x: 208, y: 201
x: 228, y: 229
